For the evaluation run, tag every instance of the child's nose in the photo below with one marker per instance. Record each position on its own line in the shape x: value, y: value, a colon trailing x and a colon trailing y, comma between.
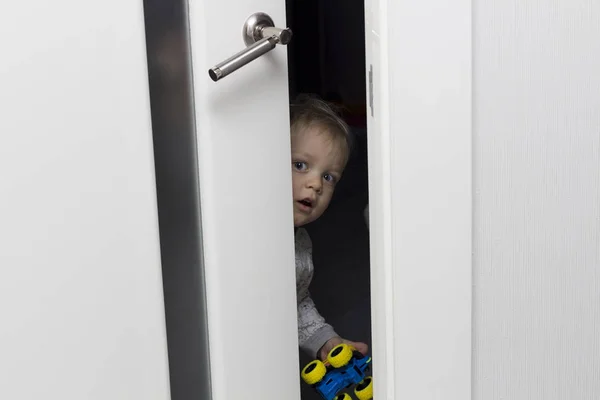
x: 315, y: 184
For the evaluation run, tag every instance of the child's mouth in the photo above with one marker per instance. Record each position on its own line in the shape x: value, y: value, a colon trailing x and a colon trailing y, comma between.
x: 306, y: 203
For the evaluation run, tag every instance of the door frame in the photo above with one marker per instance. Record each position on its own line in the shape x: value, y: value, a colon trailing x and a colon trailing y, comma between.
x: 418, y: 58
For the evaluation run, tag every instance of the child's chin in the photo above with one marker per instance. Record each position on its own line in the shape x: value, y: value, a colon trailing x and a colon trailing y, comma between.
x: 301, y: 220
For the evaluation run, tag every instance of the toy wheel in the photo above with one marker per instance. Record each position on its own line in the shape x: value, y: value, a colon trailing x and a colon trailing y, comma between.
x: 364, y: 390
x: 314, y: 372
x: 340, y: 355
x: 342, y: 396
x: 358, y: 355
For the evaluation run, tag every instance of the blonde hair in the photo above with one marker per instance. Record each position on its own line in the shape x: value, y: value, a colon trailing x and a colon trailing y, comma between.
x: 309, y: 111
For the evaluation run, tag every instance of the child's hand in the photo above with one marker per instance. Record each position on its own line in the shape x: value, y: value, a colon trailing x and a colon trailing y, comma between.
x: 331, y: 343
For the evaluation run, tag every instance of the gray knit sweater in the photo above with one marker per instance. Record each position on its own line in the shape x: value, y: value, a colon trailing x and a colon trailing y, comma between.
x: 313, y: 331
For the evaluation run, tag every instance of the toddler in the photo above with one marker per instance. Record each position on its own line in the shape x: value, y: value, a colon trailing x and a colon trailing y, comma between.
x: 321, y: 146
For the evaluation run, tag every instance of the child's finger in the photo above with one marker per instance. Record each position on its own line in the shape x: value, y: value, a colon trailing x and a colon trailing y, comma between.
x: 362, y: 347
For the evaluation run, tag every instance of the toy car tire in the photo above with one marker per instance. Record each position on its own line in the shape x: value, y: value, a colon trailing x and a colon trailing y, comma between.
x: 313, y: 372
x: 340, y: 355
x: 364, y: 390
x: 343, y: 396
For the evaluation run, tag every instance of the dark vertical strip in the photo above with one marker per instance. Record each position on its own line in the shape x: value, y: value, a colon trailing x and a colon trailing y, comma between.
x: 173, y: 126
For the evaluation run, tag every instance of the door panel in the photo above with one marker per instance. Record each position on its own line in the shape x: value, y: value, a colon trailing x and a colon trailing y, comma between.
x: 80, y: 284
x: 243, y: 145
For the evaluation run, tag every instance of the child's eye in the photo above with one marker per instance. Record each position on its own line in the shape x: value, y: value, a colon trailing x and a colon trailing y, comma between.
x: 329, y: 178
x: 300, y: 166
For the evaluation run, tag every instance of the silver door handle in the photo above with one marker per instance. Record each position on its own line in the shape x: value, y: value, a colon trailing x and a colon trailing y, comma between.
x: 260, y: 36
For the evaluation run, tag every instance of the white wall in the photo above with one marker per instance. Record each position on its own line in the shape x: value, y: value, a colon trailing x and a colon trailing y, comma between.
x: 81, y: 310
x: 537, y: 200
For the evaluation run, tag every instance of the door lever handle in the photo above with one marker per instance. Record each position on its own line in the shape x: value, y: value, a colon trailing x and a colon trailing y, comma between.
x: 260, y: 36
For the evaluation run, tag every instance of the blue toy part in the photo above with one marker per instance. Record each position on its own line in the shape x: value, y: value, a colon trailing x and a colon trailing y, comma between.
x: 337, y: 379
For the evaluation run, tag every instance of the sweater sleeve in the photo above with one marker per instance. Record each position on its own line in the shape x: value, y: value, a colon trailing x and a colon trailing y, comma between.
x: 313, y: 331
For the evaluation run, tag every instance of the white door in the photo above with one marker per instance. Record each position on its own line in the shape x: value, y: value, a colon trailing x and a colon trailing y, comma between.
x: 80, y: 281
x: 243, y: 140
x: 80, y: 289
x: 419, y: 148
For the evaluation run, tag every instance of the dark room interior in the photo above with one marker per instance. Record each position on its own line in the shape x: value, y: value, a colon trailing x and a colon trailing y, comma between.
x: 327, y: 57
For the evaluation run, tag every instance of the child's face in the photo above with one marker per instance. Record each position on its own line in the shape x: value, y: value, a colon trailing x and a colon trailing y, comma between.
x: 317, y: 165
